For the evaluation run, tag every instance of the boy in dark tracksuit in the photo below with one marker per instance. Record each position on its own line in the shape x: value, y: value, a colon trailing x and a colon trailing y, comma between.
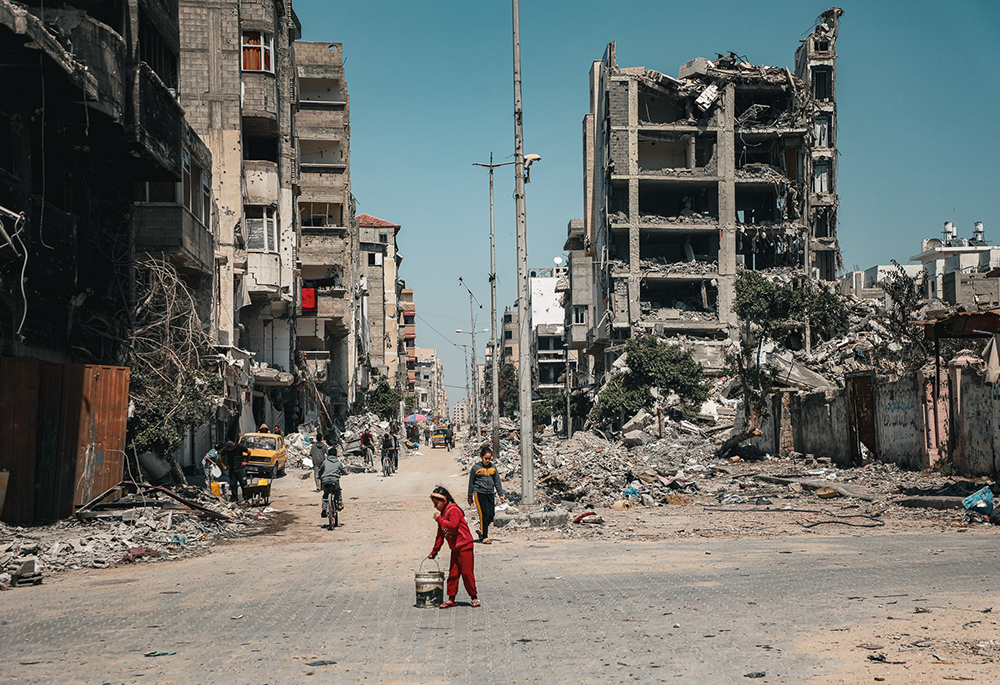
x: 483, y: 480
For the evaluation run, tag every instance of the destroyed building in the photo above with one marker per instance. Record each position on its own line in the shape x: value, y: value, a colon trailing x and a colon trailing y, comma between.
x: 728, y: 166
x: 328, y: 253
x: 237, y: 85
x: 91, y: 124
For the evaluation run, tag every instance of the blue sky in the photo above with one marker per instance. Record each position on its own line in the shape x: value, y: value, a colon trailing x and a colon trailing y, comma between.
x: 431, y: 93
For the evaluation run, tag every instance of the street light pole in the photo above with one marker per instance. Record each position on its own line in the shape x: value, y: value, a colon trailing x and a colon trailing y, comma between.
x: 524, y: 292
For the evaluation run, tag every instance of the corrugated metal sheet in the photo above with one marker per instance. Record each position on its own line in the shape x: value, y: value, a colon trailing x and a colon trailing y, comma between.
x: 18, y: 412
x: 99, y: 396
x: 62, y: 435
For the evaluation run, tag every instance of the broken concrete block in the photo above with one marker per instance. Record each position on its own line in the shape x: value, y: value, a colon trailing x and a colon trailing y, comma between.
x: 5, y: 581
x: 635, y: 438
x: 637, y: 422
x: 502, y: 520
x: 548, y: 519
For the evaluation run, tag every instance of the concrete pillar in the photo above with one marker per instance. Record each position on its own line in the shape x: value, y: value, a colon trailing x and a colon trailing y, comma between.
x: 726, y: 154
x: 689, y: 141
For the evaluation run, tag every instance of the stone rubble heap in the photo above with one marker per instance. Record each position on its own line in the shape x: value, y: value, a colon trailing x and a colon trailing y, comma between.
x: 141, y: 533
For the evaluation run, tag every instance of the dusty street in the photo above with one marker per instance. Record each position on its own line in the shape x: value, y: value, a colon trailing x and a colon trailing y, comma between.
x: 304, y: 604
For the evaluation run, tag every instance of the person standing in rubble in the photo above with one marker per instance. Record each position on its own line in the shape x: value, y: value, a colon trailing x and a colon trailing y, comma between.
x: 484, y: 479
x: 235, y: 457
x: 317, y: 453
x: 453, y: 528
x: 212, y: 460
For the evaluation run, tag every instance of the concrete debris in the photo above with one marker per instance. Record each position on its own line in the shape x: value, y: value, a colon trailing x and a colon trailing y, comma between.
x: 151, y: 528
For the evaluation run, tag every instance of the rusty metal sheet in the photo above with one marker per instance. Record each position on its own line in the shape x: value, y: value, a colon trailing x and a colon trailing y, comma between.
x: 18, y: 402
x: 97, y: 397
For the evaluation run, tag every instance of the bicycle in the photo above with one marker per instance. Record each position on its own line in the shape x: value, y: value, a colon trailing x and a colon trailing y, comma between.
x: 330, y: 503
x: 386, y: 463
x: 368, y: 451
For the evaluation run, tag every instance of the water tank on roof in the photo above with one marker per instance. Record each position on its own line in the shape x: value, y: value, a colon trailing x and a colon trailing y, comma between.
x: 979, y: 232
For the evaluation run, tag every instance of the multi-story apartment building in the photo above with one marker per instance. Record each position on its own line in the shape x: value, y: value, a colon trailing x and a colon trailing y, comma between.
x: 508, y: 342
x: 686, y: 180
x: 237, y: 85
x: 429, y: 391
x: 380, y: 261
x: 408, y: 337
x: 328, y: 243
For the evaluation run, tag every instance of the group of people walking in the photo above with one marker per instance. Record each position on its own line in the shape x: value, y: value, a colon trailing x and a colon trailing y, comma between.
x: 484, y: 488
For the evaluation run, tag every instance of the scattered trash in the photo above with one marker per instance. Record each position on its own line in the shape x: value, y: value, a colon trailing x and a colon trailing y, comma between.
x: 321, y: 662
x: 160, y: 653
x: 755, y: 674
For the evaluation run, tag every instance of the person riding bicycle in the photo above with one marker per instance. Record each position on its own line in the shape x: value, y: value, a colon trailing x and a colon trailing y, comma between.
x: 329, y: 474
x: 368, y: 445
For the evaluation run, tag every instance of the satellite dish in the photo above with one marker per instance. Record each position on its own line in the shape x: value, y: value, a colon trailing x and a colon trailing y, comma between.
x: 558, y: 261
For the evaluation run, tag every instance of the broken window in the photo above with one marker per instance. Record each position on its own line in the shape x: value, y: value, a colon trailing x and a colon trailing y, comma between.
x: 258, y: 51
x: 186, y: 178
x: 206, y: 198
x: 579, y: 314
x: 821, y: 132
x: 262, y: 229
x: 822, y: 83
x: 822, y: 181
x: 262, y: 148
x: 821, y: 45
x: 320, y: 214
x: 825, y: 223
x: 163, y: 192
x: 154, y: 52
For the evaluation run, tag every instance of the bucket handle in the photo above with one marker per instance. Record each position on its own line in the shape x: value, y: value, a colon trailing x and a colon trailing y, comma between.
x: 419, y: 570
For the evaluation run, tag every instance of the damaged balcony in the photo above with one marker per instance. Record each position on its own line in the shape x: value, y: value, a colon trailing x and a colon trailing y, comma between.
x: 757, y: 153
x: 679, y: 303
x: 685, y: 202
x: 677, y: 154
x: 618, y: 211
x: 321, y: 156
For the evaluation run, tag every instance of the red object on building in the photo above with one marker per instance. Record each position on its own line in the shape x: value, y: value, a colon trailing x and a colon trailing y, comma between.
x: 309, y: 299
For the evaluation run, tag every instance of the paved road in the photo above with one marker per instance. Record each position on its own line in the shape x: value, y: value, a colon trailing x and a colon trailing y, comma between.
x: 261, y: 610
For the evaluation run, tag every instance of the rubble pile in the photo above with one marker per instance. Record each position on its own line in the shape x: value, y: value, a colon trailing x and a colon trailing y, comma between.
x: 136, y: 527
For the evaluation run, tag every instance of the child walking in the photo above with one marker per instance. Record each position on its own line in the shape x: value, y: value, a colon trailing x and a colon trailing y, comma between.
x: 453, y: 528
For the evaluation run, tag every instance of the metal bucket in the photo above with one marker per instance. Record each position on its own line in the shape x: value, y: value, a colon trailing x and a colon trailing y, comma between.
x: 430, y: 586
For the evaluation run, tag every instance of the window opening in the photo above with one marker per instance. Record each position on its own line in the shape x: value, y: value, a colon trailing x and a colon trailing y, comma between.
x: 258, y: 51
x: 262, y: 229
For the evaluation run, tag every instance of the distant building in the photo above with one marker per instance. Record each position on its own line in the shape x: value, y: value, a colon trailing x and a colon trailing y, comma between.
x: 961, y: 271
x: 429, y: 391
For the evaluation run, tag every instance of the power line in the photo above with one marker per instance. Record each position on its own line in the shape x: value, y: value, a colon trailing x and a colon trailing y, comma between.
x: 436, y: 330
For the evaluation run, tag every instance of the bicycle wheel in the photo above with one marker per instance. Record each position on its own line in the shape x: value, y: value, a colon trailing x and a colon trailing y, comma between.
x: 331, y: 512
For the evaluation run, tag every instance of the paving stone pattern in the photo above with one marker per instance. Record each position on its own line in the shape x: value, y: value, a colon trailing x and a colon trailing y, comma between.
x: 558, y: 611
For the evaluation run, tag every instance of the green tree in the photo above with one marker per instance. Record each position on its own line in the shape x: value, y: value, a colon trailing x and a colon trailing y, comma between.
x: 652, y: 363
x: 508, y: 396
x: 383, y: 399
x: 770, y: 310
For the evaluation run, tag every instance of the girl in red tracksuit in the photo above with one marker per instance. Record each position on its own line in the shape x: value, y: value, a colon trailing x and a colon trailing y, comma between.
x: 453, y: 527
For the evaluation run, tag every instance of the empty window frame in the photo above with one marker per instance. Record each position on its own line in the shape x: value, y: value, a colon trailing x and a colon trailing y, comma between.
x: 373, y: 259
x: 320, y: 214
x: 154, y: 52
x: 822, y: 179
x: 206, y: 198
x: 261, y: 148
x: 258, y: 51
x: 579, y: 314
x: 156, y: 192
x: 822, y: 83
x: 821, y: 131
x: 262, y: 229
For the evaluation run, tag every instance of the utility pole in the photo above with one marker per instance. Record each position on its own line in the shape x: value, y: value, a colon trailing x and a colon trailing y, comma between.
x: 475, y: 366
x: 523, y: 289
x: 495, y: 371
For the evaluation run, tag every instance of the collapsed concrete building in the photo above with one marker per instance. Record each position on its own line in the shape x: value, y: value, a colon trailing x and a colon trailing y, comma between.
x: 729, y: 166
